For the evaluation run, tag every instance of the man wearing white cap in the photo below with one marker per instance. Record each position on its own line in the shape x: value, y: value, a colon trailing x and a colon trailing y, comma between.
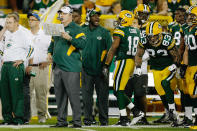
x: 65, y: 50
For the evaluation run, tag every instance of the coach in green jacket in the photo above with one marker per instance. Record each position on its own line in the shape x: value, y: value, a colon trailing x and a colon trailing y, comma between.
x: 67, y: 58
x: 98, y: 43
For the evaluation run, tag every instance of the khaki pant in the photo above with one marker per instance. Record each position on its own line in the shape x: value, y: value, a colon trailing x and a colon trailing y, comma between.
x: 39, y: 85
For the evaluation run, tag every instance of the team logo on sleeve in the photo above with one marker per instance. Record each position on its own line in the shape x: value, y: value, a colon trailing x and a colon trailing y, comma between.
x: 99, y: 38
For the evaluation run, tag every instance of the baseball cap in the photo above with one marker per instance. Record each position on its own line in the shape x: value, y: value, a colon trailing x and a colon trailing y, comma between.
x: 66, y: 9
x: 93, y: 12
x: 33, y: 14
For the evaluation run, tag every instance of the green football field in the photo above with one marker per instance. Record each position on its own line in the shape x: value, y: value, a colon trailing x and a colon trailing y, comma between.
x: 35, y: 126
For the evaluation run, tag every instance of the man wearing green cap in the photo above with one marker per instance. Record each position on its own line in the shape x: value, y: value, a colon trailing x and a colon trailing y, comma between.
x: 93, y: 55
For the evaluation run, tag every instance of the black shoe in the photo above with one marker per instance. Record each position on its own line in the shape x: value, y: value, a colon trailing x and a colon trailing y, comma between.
x: 6, y: 123
x: 137, y: 115
x: 124, y: 121
x: 173, y: 118
x: 75, y: 126
x: 143, y: 121
x: 60, y: 125
x: 164, y: 119
x: 186, y: 122
x: 87, y: 122
x: 104, y: 124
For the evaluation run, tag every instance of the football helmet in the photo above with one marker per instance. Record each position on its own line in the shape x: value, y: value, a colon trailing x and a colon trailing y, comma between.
x: 142, y: 12
x: 153, y: 32
x: 125, y: 18
x: 192, y: 15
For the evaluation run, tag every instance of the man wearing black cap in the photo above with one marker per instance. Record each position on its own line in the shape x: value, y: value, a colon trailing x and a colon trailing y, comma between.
x: 98, y: 43
x: 65, y: 50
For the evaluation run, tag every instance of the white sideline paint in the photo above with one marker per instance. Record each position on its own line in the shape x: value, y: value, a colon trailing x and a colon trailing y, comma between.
x: 88, y: 128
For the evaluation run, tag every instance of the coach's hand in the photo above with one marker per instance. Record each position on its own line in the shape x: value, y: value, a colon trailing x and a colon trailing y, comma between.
x: 183, y: 69
x: 105, y: 72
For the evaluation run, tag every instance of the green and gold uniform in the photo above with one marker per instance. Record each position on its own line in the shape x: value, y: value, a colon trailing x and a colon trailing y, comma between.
x: 124, y: 66
x: 175, y: 4
x: 160, y: 60
x: 177, y: 32
x: 191, y: 43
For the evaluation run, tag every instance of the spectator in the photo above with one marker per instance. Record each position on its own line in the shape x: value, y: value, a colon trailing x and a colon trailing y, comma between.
x: 87, y: 6
x: 98, y: 43
x: 41, y: 5
x: 115, y: 8
x: 75, y: 4
x: 130, y: 4
x: 77, y: 16
x: 17, y: 49
x: 66, y: 56
x: 104, y: 5
x: 40, y: 67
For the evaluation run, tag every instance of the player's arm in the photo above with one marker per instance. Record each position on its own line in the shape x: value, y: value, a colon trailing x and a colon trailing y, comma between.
x: 181, y: 48
x: 174, y: 52
x: 138, y: 57
x: 185, y: 56
x: 112, y: 49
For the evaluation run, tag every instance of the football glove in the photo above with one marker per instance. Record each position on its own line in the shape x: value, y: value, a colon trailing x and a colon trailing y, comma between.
x: 183, y: 69
x: 138, y: 71
x: 172, y: 68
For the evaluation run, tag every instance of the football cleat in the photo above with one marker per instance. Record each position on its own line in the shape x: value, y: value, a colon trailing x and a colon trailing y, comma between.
x: 137, y: 115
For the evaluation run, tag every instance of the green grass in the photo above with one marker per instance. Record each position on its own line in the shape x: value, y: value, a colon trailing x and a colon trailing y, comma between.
x: 112, y: 121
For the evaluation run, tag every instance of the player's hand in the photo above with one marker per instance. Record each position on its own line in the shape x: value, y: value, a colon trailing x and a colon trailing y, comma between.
x: 183, y: 69
x: 172, y: 68
x: 105, y: 72
x: 138, y: 71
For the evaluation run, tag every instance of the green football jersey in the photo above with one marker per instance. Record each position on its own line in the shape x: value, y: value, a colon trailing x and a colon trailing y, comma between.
x: 191, y: 42
x: 130, y: 37
x: 160, y: 57
x: 175, y: 4
x: 177, y: 32
x: 143, y: 34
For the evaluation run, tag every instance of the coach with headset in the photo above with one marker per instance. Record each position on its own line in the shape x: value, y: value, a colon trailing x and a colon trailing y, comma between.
x: 65, y: 52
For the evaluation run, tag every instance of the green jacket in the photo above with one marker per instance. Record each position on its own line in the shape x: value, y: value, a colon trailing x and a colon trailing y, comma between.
x: 98, y: 43
x: 66, y: 55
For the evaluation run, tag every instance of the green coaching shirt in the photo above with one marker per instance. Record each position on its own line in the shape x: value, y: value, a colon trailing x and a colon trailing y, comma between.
x: 98, y: 43
x: 66, y: 54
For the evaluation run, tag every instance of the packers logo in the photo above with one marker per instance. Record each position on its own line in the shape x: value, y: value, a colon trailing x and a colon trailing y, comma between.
x: 128, y: 15
x: 8, y: 45
x: 99, y: 38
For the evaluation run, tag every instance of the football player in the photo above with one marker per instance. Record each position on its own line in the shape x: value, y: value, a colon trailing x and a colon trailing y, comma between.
x: 124, y: 47
x: 189, y: 66
x: 138, y: 84
x: 163, y: 62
